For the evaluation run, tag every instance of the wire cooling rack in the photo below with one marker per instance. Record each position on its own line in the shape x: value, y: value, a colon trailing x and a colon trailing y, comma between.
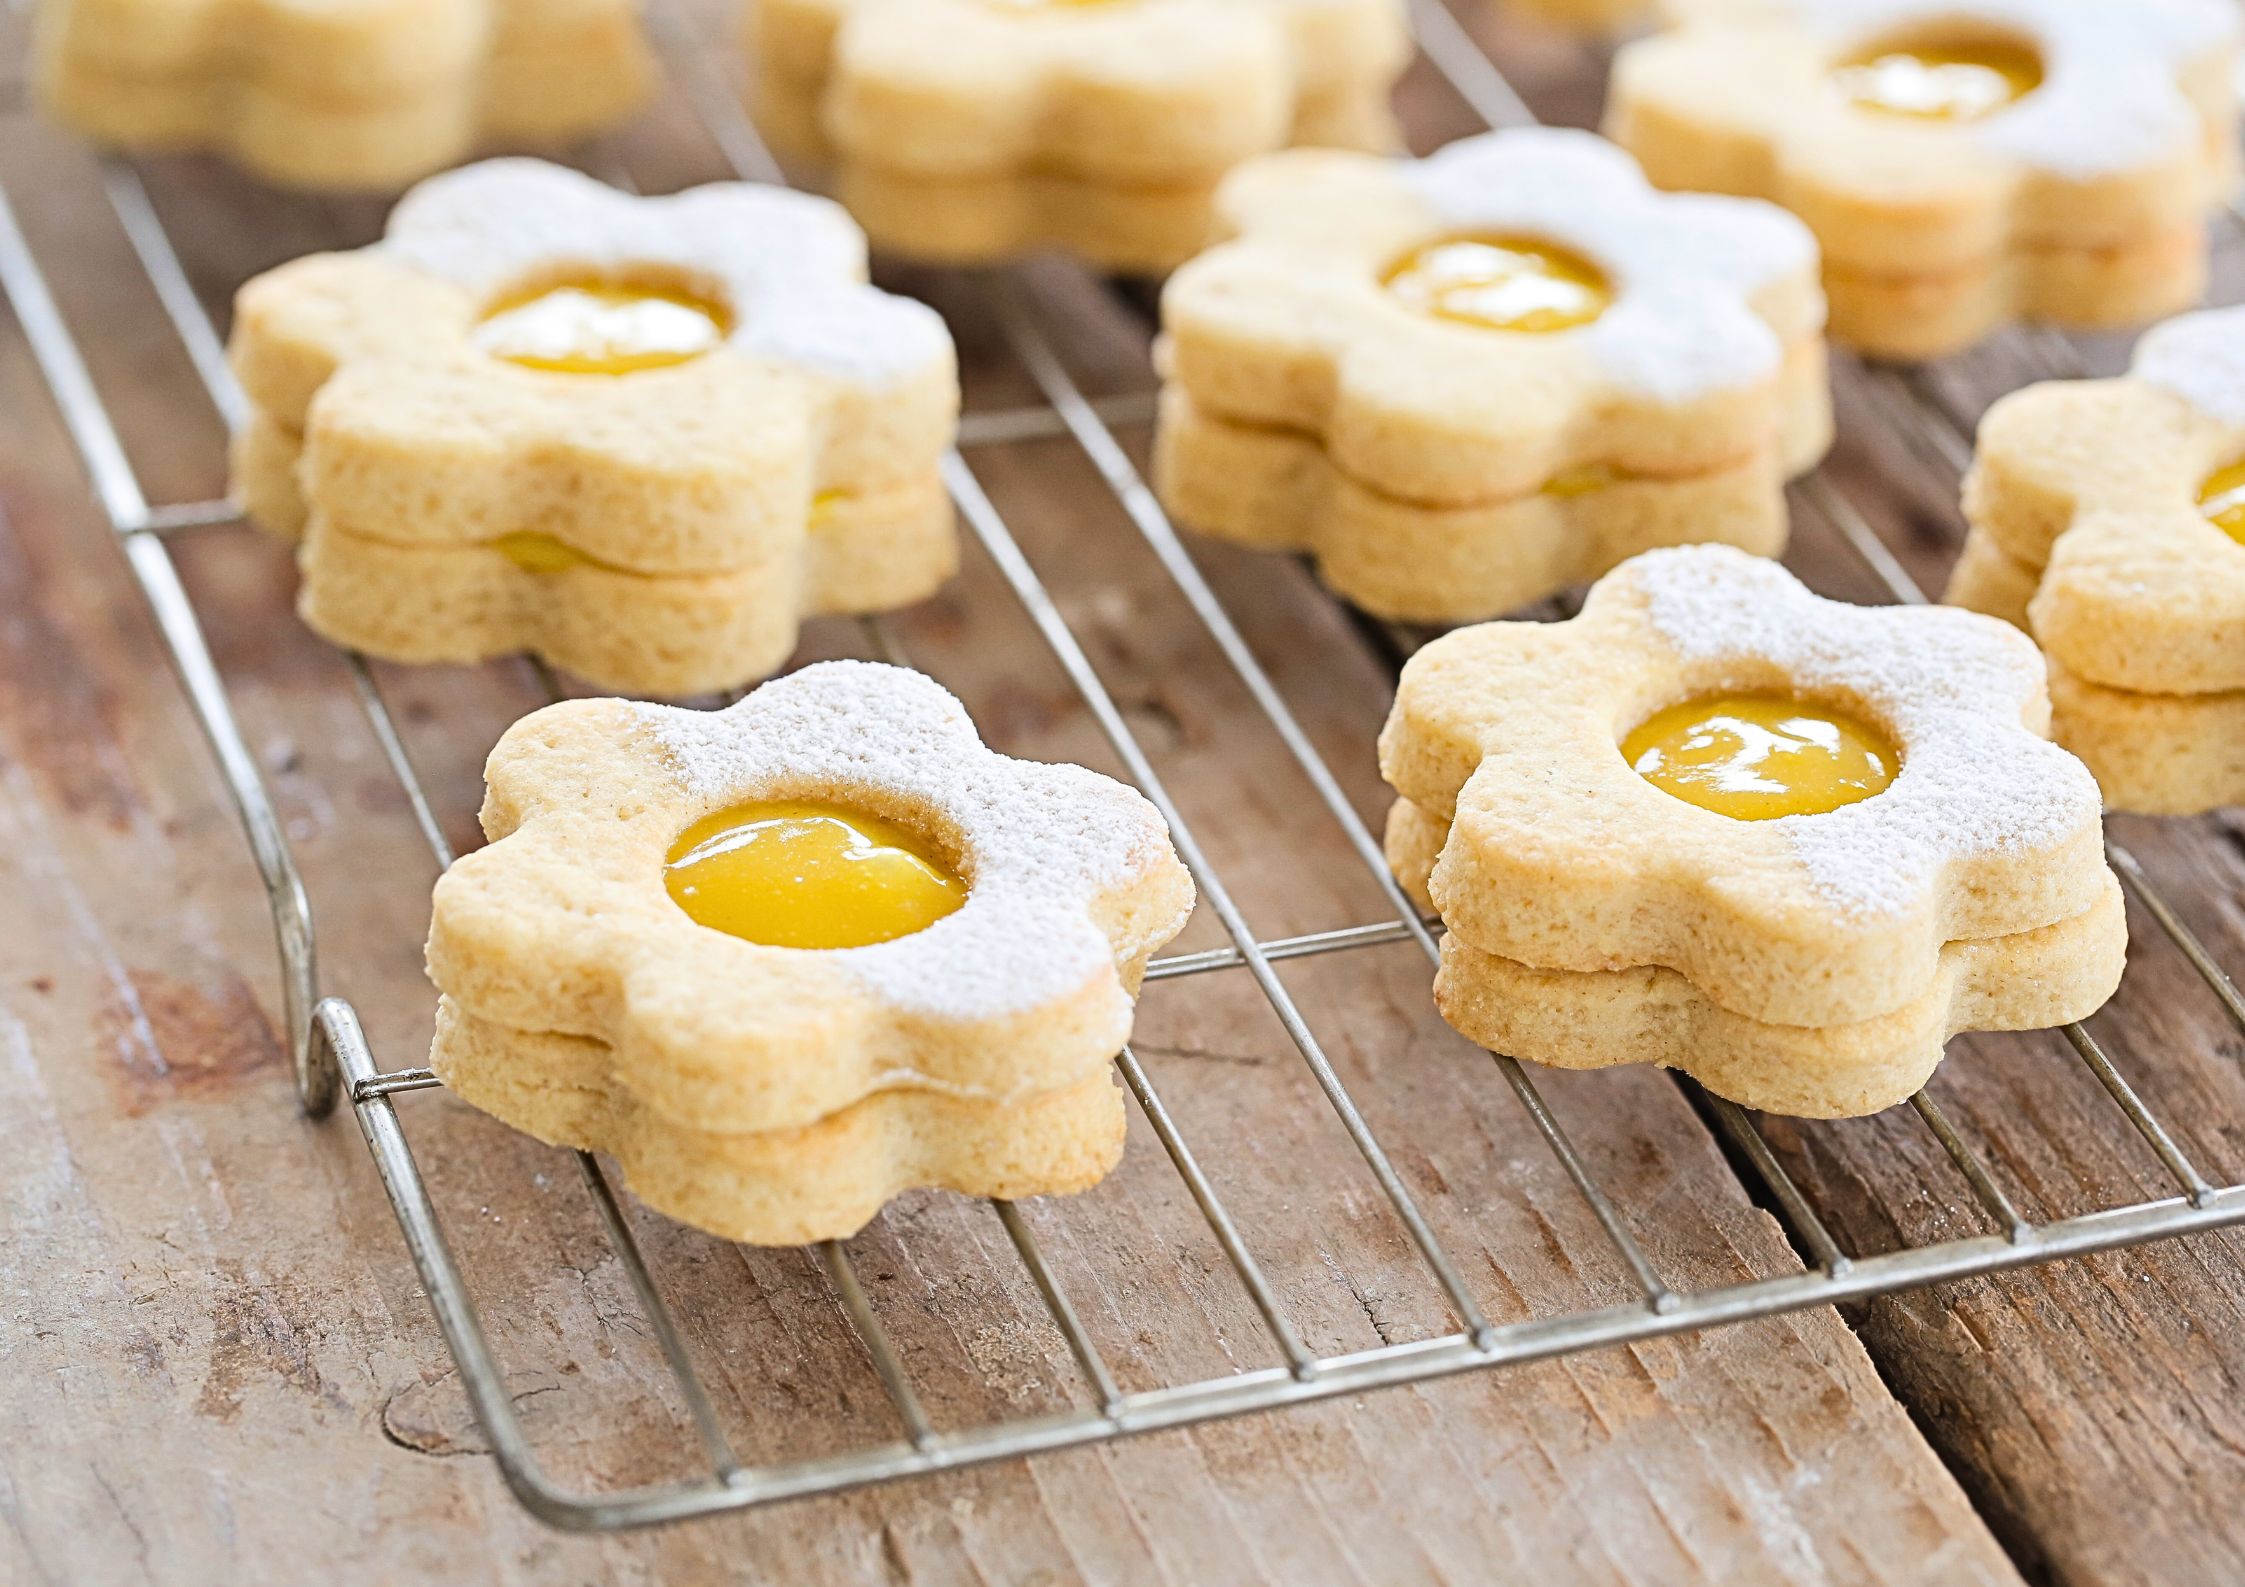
x: 333, y: 1060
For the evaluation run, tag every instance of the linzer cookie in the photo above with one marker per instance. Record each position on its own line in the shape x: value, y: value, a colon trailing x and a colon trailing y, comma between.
x: 2108, y: 519
x: 1964, y: 163
x: 788, y: 959
x: 967, y: 131
x: 1718, y: 823
x: 367, y: 95
x: 641, y: 437
x: 1467, y: 382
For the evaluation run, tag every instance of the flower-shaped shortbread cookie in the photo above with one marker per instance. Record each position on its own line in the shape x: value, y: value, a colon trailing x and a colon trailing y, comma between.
x: 315, y: 94
x: 1813, y: 963
x: 2108, y: 518
x: 1963, y: 162
x: 660, y: 527
x: 973, y: 130
x: 781, y: 1094
x: 1454, y: 457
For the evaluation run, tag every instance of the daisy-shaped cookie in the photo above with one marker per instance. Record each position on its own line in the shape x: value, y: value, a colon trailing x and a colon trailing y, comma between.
x: 1466, y: 382
x: 2108, y: 518
x: 641, y: 436
x: 790, y: 958
x: 971, y: 130
x: 370, y: 94
x: 1719, y: 823
x: 1964, y: 163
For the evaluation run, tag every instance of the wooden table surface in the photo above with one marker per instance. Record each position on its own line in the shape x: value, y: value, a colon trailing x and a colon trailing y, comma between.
x: 220, y: 1365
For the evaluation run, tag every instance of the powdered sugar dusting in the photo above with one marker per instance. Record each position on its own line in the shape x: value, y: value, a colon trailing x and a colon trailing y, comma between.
x: 1041, y: 841
x: 791, y: 265
x: 2110, y: 98
x: 2201, y: 359
x: 1950, y: 685
x: 1685, y: 266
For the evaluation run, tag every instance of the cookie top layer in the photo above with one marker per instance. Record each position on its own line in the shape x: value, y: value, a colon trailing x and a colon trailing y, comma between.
x: 1974, y: 782
x: 1037, y: 843
x: 820, y: 384
x: 790, y: 266
x: 1687, y: 266
x: 1145, y: 92
x: 1563, y: 857
x: 2095, y: 489
x: 2123, y: 140
x: 564, y: 922
x: 1291, y: 323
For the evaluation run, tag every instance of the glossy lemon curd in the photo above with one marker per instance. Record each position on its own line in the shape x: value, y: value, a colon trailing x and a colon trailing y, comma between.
x: 1950, y: 82
x: 601, y: 328
x: 799, y: 873
x: 1757, y: 756
x: 2222, y: 500
x: 1582, y: 480
x: 1500, y: 283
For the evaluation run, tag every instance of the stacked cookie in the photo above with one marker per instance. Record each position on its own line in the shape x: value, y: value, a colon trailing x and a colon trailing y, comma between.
x: 661, y: 955
x: 1718, y: 823
x: 642, y: 438
x: 1964, y: 163
x: 1465, y: 383
x: 2108, y: 518
x: 368, y: 95
x: 966, y: 131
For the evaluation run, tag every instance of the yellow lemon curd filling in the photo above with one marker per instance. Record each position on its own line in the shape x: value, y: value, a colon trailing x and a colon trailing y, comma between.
x: 597, y: 327
x: 1956, y: 82
x: 1754, y: 757
x: 2222, y: 500
x: 801, y: 873
x: 1582, y: 480
x: 535, y: 551
x: 1500, y: 283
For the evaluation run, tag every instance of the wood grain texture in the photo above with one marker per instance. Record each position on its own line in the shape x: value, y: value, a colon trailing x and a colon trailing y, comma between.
x: 222, y: 1362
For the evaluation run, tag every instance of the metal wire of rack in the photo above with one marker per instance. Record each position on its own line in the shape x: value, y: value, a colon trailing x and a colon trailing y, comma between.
x: 333, y: 1059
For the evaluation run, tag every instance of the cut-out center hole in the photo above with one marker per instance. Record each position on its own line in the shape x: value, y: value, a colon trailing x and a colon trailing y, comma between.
x: 595, y: 326
x: 802, y: 873
x: 1500, y: 283
x: 1951, y: 80
x: 1754, y: 757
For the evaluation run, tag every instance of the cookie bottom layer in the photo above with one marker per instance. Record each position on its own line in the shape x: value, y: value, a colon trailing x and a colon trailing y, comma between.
x: 1277, y: 490
x: 783, y: 1187
x: 2153, y: 754
x: 1596, y: 1019
x: 630, y: 632
x: 1929, y: 316
x: 560, y: 90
